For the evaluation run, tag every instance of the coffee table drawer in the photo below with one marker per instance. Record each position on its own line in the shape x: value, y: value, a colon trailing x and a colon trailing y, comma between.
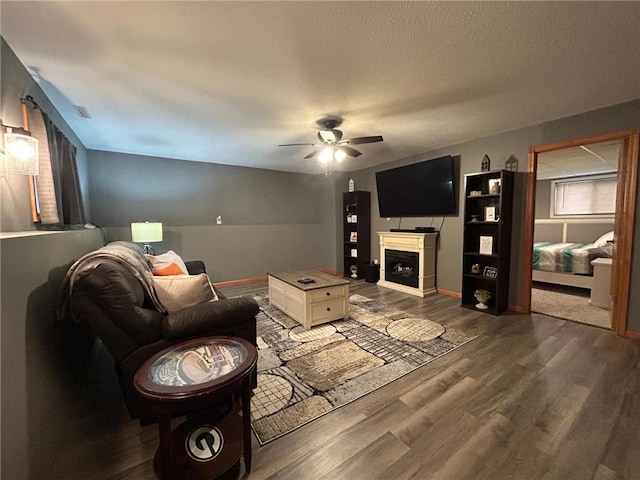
x: 327, y: 309
x: 327, y: 293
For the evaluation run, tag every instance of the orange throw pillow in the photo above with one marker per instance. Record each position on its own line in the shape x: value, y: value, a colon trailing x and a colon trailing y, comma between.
x: 167, y: 264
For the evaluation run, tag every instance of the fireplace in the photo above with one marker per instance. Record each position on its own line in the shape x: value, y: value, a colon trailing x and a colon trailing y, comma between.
x: 401, y: 267
x: 408, y: 262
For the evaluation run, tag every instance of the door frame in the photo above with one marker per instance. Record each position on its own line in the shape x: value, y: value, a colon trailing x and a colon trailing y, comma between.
x: 623, y: 226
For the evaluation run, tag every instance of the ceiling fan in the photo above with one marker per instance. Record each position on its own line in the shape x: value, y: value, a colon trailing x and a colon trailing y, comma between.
x: 331, y: 145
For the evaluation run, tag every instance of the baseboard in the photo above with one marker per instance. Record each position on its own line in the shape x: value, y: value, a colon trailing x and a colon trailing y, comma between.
x: 517, y: 309
x: 242, y: 281
x: 245, y: 281
x: 330, y: 272
x: 632, y: 335
x: 449, y: 293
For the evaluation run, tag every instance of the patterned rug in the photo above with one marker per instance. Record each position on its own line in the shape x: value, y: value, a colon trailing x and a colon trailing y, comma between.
x: 303, y: 375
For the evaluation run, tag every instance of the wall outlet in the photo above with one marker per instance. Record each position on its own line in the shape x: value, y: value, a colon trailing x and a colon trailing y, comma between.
x: 218, y: 220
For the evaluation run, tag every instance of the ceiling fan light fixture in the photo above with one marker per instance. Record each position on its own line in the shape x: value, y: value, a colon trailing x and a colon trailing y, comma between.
x: 326, y: 155
x: 339, y: 155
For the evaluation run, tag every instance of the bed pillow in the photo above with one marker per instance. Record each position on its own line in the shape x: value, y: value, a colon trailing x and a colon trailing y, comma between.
x: 168, y: 263
x: 176, y: 292
x: 602, y: 241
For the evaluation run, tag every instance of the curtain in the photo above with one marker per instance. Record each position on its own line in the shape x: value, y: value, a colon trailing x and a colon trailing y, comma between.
x: 68, y: 197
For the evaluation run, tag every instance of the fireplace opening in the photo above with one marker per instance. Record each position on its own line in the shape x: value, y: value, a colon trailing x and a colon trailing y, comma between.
x: 401, y: 267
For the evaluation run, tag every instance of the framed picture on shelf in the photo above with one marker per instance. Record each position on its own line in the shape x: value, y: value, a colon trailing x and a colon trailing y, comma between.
x: 486, y: 245
x: 490, y: 272
x: 354, y: 252
x: 490, y: 214
x: 353, y: 237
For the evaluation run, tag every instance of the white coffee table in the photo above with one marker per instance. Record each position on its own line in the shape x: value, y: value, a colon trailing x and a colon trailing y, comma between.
x: 310, y: 304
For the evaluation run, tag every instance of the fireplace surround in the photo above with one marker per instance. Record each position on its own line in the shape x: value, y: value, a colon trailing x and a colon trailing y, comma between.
x: 408, y: 262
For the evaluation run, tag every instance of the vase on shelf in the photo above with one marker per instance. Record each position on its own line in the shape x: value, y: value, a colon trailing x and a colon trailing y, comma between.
x: 354, y: 271
x: 483, y: 296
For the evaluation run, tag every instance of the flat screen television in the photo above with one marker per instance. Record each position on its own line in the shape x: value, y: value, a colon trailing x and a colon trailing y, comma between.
x: 423, y: 189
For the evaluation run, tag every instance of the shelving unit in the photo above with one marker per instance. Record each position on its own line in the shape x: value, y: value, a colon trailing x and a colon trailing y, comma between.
x: 487, y: 239
x: 356, y: 221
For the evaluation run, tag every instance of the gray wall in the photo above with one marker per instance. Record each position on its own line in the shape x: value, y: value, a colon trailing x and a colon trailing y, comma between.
x: 499, y: 148
x: 16, y: 83
x: 270, y: 220
x: 41, y: 360
x: 543, y: 198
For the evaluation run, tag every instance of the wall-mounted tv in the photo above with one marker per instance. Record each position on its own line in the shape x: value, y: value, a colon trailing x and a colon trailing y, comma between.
x: 421, y: 189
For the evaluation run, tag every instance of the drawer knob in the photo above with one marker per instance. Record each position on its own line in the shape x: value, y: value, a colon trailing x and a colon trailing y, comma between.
x: 328, y: 309
x: 328, y: 294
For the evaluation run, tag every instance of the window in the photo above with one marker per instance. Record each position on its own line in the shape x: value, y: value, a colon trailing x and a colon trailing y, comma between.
x: 584, y: 197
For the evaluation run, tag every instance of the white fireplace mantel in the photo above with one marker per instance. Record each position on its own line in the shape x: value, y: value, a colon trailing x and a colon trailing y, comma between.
x: 424, y: 244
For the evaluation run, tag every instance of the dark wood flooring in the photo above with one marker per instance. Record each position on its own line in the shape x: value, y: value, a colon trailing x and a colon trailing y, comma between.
x: 533, y: 397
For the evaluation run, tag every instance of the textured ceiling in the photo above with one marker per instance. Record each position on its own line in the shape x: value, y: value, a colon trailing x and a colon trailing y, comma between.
x: 226, y: 82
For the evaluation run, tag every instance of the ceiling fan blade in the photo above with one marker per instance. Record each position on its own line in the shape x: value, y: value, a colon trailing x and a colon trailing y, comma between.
x: 313, y: 154
x: 295, y: 144
x: 359, y: 140
x: 352, y: 152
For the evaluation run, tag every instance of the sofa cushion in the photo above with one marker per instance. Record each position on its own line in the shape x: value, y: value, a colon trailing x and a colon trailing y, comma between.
x: 176, y: 292
x: 168, y: 263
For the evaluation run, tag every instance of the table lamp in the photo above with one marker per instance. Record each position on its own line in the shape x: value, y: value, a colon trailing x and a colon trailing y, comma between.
x: 145, y: 232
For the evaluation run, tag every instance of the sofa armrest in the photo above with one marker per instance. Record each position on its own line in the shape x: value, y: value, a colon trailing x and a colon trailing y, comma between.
x: 209, y: 318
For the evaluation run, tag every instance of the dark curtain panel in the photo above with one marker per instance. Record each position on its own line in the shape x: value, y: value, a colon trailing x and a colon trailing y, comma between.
x: 65, y: 176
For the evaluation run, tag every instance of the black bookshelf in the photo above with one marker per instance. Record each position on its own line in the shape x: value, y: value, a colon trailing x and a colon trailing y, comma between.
x: 356, y: 221
x: 487, y: 239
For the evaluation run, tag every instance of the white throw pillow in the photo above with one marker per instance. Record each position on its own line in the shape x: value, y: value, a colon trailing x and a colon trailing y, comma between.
x: 168, y: 263
x: 602, y: 241
x: 176, y: 292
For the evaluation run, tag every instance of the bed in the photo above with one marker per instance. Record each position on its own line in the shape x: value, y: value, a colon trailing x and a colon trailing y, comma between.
x: 569, y: 264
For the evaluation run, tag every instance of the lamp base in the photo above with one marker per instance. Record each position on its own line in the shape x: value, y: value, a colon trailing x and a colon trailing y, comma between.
x: 148, y: 249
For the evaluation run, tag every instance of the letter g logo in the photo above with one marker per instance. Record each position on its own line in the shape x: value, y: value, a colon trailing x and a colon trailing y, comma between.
x: 204, y: 443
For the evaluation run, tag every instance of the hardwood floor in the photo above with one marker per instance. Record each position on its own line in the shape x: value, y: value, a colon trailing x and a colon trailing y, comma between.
x: 533, y: 397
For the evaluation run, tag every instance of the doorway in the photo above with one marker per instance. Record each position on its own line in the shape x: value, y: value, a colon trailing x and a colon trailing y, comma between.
x: 573, y: 232
x: 625, y: 207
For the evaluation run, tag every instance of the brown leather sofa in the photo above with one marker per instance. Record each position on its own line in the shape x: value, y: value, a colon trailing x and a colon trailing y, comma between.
x: 119, y: 309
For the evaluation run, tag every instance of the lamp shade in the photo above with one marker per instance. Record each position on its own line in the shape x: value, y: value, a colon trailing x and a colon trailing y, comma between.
x: 22, y: 153
x: 146, y: 232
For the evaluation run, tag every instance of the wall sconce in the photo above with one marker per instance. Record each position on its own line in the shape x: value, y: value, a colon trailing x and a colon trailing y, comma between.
x: 21, y: 151
x: 145, y: 232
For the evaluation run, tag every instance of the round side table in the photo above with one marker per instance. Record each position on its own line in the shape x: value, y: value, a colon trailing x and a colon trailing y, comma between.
x: 188, y: 379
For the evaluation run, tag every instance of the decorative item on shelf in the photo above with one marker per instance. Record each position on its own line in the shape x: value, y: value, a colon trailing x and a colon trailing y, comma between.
x: 475, y: 218
x: 511, y: 164
x: 486, y: 245
x: 354, y: 271
x: 475, y: 193
x: 494, y: 186
x: 353, y: 236
x: 475, y: 268
x: 483, y: 296
x: 485, y: 164
x: 490, y: 214
x: 491, y: 272
x: 354, y: 218
x: 146, y: 232
x: 354, y: 252
x: 352, y: 185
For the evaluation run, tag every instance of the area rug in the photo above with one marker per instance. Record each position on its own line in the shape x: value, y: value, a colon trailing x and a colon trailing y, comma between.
x: 569, y: 307
x: 303, y: 375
